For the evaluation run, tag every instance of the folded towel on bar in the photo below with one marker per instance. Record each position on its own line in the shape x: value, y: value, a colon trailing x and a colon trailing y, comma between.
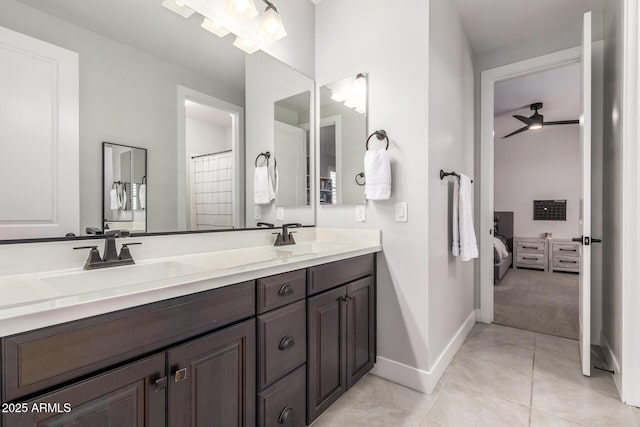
x: 263, y: 192
x: 114, y: 203
x: 464, y: 236
x: 142, y: 195
x: 377, y: 172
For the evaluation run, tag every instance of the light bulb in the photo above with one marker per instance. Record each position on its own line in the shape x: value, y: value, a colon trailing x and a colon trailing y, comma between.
x: 245, y: 45
x: 214, y: 27
x: 241, y: 10
x: 179, y: 3
x: 271, y: 27
x: 338, y: 96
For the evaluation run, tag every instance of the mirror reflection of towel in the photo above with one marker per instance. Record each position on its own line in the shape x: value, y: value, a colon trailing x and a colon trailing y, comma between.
x: 113, y: 199
x: 142, y: 195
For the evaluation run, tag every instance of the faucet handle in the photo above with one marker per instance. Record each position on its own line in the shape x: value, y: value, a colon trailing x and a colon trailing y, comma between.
x: 94, y: 257
x: 125, y: 254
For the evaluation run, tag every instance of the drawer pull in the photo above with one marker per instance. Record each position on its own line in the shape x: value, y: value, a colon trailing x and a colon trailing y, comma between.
x: 286, y: 343
x: 285, y: 290
x: 534, y: 259
x: 181, y: 375
x: 568, y: 262
x: 286, y: 415
x: 529, y: 247
x: 161, y: 383
x: 568, y: 250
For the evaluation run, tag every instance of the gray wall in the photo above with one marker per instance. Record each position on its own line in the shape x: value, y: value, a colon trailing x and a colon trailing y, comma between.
x: 127, y: 97
x: 612, y: 165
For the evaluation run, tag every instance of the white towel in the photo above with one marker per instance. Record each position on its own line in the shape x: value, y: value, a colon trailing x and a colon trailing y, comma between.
x: 113, y: 199
x: 263, y: 192
x: 377, y: 172
x: 142, y: 195
x: 464, y: 236
x: 500, y: 247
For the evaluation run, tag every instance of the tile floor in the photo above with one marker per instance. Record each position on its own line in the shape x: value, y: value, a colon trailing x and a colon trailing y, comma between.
x: 500, y: 377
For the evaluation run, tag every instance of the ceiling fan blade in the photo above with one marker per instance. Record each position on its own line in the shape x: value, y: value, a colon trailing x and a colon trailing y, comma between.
x: 516, y: 132
x: 523, y: 119
x: 563, y: 122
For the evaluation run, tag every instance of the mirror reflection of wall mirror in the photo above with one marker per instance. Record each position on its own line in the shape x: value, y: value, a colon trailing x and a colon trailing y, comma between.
x: 124, y: 189
x: 201, y: 107
x: 291, y: 150
x: 343, y: 133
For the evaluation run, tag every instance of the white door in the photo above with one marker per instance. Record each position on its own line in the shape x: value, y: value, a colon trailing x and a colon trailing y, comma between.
x: 585, y: 208
x: 39, y: 128
x: 290, y: 147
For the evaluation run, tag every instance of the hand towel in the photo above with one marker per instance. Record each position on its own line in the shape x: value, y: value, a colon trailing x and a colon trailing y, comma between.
x: 500, y: 247
x: 377, y: 172
x: 262, y: 189
x: 464, y: 237
x: 142, y: 195
x: 113, y: 199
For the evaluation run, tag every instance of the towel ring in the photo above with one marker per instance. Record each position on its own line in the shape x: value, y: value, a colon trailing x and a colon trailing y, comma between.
x: 266, y: 155
x: 144, y: 179
x: 380, y: 134
x: 363, y: 182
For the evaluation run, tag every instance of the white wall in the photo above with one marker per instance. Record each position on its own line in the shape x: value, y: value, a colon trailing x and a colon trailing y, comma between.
x: 268, y: 81
x: 204, y: 137
x: 127, y: 97
x: 451, y: 147
x: 543, y: 165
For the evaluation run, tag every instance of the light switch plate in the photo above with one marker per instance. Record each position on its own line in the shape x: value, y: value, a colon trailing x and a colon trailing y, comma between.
x: 280, y: 214
x: 361, y: 213
x: 401, y: 212
x: 257, y: 213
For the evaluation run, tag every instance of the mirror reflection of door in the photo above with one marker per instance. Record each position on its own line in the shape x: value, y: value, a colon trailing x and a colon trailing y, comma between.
x: 124, y: 187
x: 328, y: 164
x: 291, y: 149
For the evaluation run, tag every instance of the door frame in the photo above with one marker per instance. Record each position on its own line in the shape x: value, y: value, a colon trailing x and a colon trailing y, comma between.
x: 237, y: 148
x: 488, y: 80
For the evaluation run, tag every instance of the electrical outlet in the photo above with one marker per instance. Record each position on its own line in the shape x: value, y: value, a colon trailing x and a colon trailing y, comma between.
x: 257, y: 212
x: 401, y: 212
x: 280, y: 214
x: 361, y: 213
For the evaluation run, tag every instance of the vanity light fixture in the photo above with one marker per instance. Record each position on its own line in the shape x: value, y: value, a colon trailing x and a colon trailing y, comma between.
x: 338, y: 96
x: 178, y: 7
x: 214, y: 27
x: 271, y: 27
x: 241, y: 10
x: 245, y: 45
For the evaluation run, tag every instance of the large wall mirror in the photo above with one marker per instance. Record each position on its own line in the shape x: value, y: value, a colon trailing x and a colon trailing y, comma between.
x: 138, y: 75
x: 343, y: 134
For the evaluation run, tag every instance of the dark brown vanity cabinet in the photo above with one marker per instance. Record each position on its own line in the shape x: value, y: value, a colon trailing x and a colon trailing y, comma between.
x: 341, y: 333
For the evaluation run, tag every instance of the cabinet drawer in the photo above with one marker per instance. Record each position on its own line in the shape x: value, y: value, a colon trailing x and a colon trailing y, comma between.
x: 279, y: 290
x: 530, y: 247
x: 534, y: 260
x: 327, y: 276
x: 282, y: 342
x: 283, y: 403
x: 39, y: 359
x: 566, y: 262
x: 566, y: 250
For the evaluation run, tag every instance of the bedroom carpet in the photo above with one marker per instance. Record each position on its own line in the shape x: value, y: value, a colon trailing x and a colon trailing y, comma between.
x: 538, y: 301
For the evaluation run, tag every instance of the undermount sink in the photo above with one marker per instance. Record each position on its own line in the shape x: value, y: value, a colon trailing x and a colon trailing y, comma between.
x: 95, y: 280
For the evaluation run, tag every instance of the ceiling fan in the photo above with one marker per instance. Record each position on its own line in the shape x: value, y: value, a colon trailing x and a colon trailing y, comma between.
x: 536, y: 121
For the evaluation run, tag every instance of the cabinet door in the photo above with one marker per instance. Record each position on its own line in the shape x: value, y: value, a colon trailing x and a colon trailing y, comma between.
x: 360, y: 329
x: 133, y: 395
x: 212, y: 381
x: 326, y: 337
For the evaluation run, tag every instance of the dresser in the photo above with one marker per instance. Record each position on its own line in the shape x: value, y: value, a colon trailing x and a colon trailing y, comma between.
x: 564, y: 255
x: 531, y: 253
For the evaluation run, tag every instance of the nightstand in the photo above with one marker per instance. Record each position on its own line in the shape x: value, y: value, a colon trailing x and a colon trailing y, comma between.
x: 564, y: 255
x: 531, y: 253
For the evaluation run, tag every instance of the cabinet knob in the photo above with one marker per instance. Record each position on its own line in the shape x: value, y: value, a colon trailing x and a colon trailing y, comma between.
x: 285, y: 290
x: 286, y: 415
x: 161, y: 384
x: 286, y: 343
x: 181, y: 375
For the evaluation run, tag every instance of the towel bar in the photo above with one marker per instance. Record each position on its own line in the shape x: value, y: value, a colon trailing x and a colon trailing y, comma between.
x: 443, y: 174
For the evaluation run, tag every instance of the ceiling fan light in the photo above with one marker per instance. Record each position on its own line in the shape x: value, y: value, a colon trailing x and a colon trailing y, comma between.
x: 271, y: 27
x: 178, y: 7
x: 241, y: 10
x: 245, y: 45
x: 535, y: 126
x: 214, y: 28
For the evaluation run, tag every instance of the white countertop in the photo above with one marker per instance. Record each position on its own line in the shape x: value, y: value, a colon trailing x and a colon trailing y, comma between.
x: 45, y: 298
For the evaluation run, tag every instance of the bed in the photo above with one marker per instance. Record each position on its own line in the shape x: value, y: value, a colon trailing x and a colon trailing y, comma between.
x: 503, y: 230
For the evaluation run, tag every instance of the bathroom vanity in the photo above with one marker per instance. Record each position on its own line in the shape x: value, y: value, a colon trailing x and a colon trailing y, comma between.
x: 277, y: 349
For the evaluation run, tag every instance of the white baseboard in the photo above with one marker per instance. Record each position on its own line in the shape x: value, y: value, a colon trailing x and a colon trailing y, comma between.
x: 419, y: 379
x: 612, y: 361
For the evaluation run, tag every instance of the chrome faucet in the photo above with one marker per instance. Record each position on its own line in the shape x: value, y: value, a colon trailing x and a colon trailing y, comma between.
x: 110, y: 256
x: 285, y: 238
